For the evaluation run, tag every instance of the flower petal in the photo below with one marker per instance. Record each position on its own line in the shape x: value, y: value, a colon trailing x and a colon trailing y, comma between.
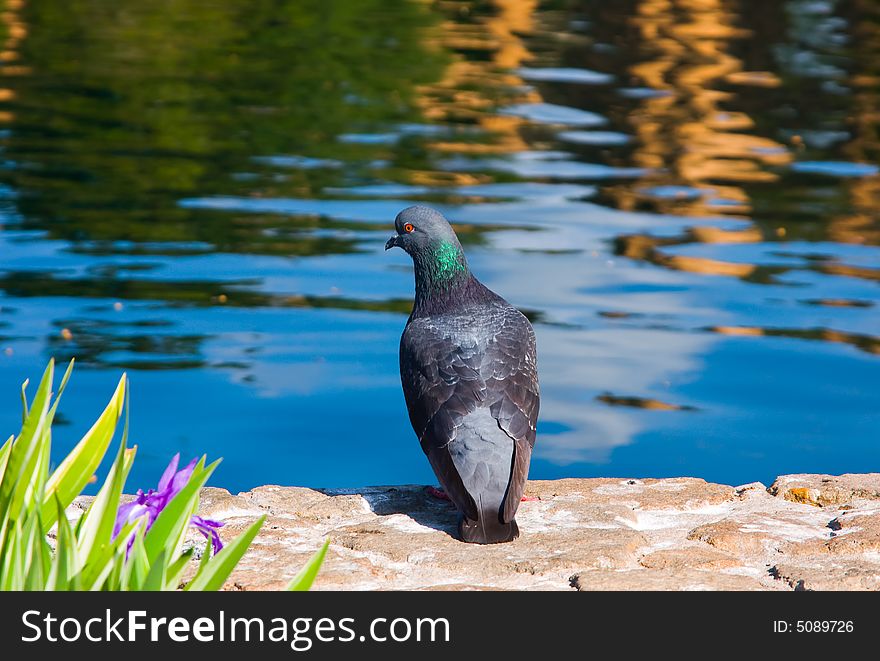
x: 126, y: 513
x: 165, y: 480
x: 208, y: 527
x: 180, y: 479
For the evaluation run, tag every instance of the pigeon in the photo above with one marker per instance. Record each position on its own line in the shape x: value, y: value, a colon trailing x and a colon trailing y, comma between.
x: 468, y: 367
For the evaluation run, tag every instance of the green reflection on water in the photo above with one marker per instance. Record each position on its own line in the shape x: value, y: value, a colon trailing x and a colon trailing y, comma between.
x: 124, y: 108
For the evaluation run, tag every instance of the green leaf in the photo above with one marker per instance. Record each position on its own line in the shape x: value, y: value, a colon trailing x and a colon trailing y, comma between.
x: 113, y: 582
x: 155, y: 579
x: 65, y: 565
x: 24, y: 403
x: 97, y: 529
x: 140, y: 567
x: 40, y: 472
x: 77, y: 468
x: 203, y: 562
x: 4, y: 454
x: 218, y: 568
x: 120, y: 556
x: 303, y: 581
x: 25, y: 450
x: 172, y: 576
x: 33, y: 539
x: 12, y: 573
x: 45, y: 560
x: 64, y: 380
x: 100, y: 567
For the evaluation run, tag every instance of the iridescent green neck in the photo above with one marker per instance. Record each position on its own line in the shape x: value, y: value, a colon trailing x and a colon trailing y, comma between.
x: 440, y: 268
x: 448, y: 261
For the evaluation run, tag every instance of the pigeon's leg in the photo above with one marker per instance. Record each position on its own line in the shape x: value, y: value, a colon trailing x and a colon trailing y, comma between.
x: 437, y: 493
x: 528, y: 499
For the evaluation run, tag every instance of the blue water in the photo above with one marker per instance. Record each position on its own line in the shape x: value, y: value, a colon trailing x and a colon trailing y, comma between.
x: 693, y: 230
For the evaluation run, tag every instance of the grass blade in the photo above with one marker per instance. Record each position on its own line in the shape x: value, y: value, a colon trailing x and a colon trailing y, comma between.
x: 203, y: 563
x: 172, y: 576
x: 24, y: 451
x: 77, y: 468
x: 24, y: 402
x: 12, y: 573
x: 4, y: 454
x: 65, y: 565
x: 140, y: 567
x: 155, y: 579
x: 303, y: 581
x: 97, y: 529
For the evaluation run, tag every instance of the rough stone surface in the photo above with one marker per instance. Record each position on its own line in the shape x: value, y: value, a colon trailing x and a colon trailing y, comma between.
x: 827, y: 490
x: 585, y: 534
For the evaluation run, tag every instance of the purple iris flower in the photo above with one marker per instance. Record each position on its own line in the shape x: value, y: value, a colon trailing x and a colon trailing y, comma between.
x: 208, y: 527
x: 152, y: 502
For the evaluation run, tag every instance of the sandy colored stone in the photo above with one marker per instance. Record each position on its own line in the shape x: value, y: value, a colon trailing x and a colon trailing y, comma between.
x: 755, y: 534
x: 274, y: 498
x: 588, y: 534
x: 834, y: 576
x: 220, y: 503
x: 695, y: 556
x: 855, y: 533
x: 686, y: 579
x: 827, y: 490
x: 852, y: 532
x: 727, y: 536
x: 678, y: 493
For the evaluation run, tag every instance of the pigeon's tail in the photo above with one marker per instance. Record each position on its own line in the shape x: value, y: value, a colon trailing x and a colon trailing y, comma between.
x: 489, y: 526
x: 487, y: 530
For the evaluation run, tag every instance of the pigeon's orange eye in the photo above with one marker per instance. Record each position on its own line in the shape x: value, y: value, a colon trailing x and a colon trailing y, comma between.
x: 408, y: 228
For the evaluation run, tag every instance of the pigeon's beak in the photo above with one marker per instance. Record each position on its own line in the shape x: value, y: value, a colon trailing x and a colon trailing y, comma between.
x: 392, y: 242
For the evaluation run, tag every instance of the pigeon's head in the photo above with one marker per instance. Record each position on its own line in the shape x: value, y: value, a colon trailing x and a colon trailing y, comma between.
x: 422, y: 231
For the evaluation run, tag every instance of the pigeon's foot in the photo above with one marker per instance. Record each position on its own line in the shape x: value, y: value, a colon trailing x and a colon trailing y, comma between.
x: 437, y: 493
x: 528, y: 499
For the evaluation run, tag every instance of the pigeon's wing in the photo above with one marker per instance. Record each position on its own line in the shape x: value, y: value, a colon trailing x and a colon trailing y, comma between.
x: 442, y: 384
x: 444, y: 380
x: 509, y: 368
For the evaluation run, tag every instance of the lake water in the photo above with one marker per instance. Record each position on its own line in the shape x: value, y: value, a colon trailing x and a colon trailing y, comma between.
x: 683, y: 196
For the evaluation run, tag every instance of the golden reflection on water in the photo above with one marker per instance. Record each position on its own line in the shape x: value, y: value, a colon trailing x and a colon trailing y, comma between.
x: 867, y: 343
x: 14, y: 31
x: 691, y: 136
x: 471, y: 86
x: 641, y: 403
x: 688, y: 132
x: 863, y: 226
x: 698, y: 146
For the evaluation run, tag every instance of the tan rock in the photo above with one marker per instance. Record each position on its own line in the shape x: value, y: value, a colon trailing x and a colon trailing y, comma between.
x: 727, y: 535
x: 758, y: 533
x: 825, y: 490
x: 663, y: 579
x: 829, y: 576
x: 590, y: 534
x: 852, y: 532
x: 855, y: 533
x: 695, y: 557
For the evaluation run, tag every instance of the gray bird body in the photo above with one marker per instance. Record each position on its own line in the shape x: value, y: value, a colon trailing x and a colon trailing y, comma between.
x: 469, y: 375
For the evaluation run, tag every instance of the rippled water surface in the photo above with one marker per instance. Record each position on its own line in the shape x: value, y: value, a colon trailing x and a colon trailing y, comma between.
x: 683, y: 196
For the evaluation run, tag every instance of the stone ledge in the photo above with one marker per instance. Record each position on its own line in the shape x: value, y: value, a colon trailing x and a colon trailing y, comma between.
x: 585, y: 534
